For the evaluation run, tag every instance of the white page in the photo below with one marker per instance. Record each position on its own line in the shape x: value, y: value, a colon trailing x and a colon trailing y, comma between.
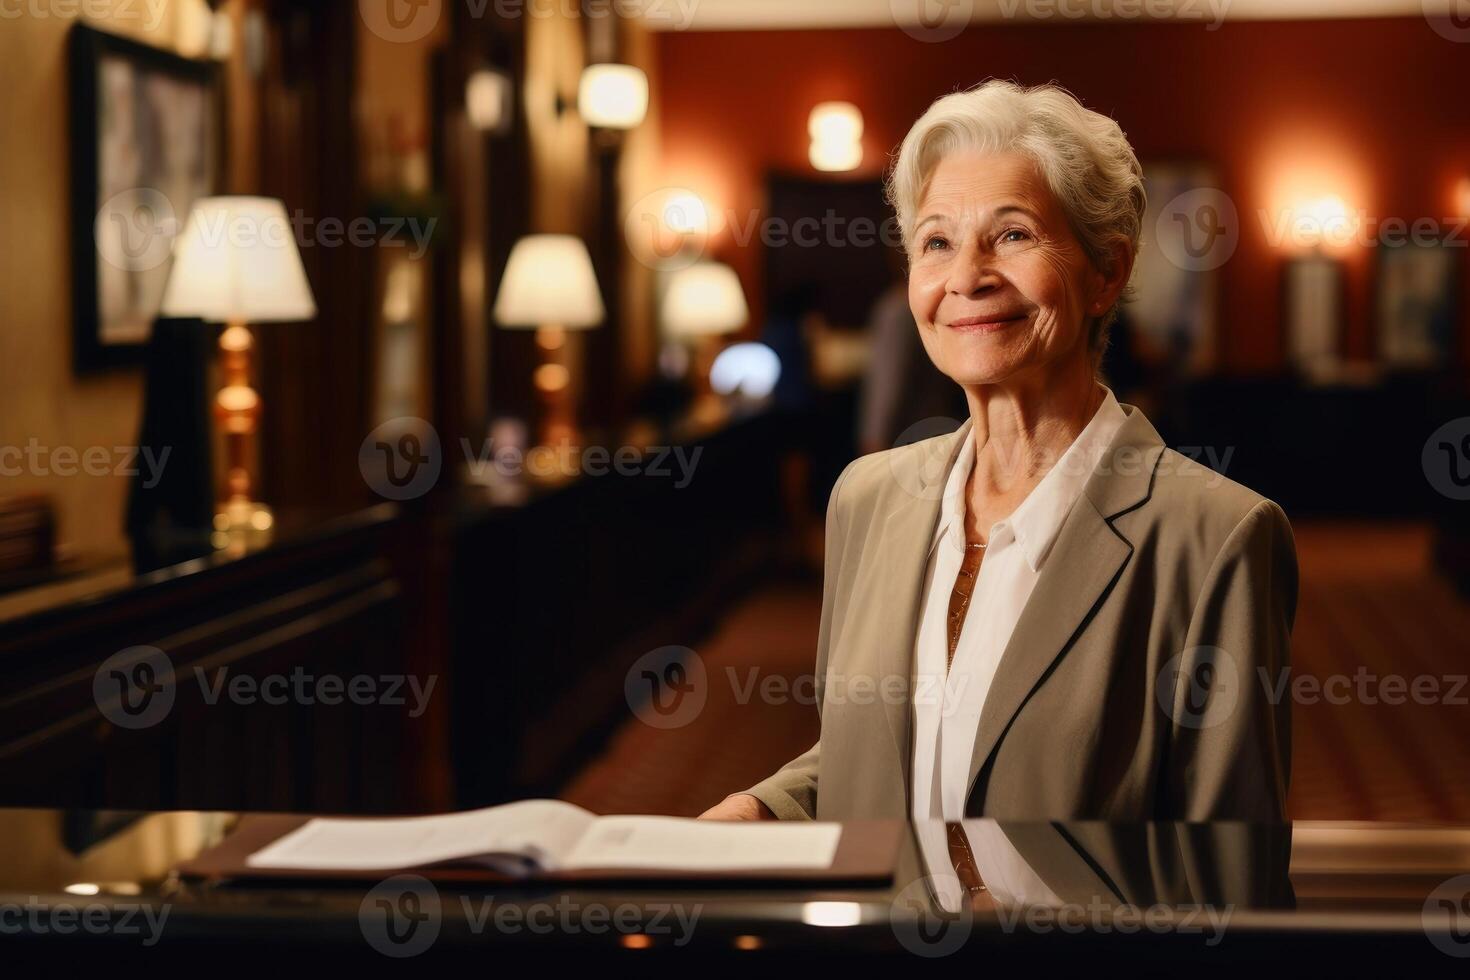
x: 538, y: 829
x: 677, y: 844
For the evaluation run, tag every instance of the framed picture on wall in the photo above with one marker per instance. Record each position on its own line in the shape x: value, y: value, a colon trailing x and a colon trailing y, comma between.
x: 146, y: 143
x: 1175, y: 278
x: 1417, y: 288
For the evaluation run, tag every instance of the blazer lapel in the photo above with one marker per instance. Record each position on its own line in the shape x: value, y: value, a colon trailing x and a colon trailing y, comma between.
x: 1081, y: 569
x: 897, y: 585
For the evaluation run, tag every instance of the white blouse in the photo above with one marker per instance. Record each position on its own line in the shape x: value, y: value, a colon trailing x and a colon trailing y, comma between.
x: 947, y: 709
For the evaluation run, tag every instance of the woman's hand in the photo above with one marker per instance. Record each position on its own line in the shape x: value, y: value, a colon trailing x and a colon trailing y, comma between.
x: 738, y: 806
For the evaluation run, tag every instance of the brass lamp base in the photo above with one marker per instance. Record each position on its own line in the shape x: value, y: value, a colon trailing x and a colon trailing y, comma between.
x: 558, y: 439
x: 240, y: 523
x: 242, y: 526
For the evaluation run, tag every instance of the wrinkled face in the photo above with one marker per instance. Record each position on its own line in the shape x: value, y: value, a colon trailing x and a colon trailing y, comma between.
x: 998, y: 282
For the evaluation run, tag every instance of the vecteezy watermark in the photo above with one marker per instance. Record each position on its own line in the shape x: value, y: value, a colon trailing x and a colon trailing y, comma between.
x: 135, y: 230
x: 1202, y: 687
x: 403, y: 916
x: 667, y: 688
x: 1446, y: 916
x: 407, y: 21
x: 1334, y: 226
x: 1446, y: 459
x: 923, y: 689
x: 35, y: 459
x: 670, y: 228
x: 510, y: 461
x: 1210, y: 12
x: 38, y: 918
x: 1198, y: 230
x: 1101, y: 917
x: 1364, y: 686
x: 402, y: 459
x: 137, y: 687
x: 927, y: 926
x: 932, y: 21
x: 148, y: 12
x: 1199, y: 687
x: 1450, y: 19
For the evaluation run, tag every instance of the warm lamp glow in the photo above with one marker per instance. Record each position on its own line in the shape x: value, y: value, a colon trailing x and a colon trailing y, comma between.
x: 1322, y: 220
x: 686, y: 214
x: 704, y: 299
x: 549, y: 285
x: 237, y: 262
x: 487, y: 100
x: 836, y: 129
x: 549, y: 281
x: 1462, y: 198
x: 613, y: 96
x: 1311, y: 189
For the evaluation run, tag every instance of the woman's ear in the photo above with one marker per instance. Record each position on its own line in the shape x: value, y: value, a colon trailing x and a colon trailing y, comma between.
x: 1112, y: 279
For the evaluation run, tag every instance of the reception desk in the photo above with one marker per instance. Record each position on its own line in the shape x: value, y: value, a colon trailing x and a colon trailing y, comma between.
x: 101, y: 889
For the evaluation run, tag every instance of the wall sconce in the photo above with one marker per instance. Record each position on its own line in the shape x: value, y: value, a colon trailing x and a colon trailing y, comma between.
x: 1322, y: 221
x: 836, y: 129
x: 487, y: 101
x: 685, y: 214
x: 668, y: 229
x: 613, y: 96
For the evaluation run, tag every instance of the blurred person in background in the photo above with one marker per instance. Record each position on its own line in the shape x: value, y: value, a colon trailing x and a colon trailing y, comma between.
x: 901, y: 387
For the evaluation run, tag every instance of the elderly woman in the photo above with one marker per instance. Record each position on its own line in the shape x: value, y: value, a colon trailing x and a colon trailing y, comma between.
x: 1047, y: 615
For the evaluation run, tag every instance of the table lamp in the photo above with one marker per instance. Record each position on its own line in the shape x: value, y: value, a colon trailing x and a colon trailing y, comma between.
x: 703, y: 302
x: 237, y: 263
x: 549, y: 286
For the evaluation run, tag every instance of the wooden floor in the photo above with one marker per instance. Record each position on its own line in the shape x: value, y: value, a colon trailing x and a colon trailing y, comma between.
x: 1370, y: 607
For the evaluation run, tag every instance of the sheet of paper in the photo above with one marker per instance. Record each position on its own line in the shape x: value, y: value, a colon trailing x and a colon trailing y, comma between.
x: 539, y: 829
x: 676, y: 844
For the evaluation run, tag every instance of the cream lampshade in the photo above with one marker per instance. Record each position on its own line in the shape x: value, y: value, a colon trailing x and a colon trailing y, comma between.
x: 703, y: 300
x: 235, y: 263
x: 549, y: 286
x: 702, y: 303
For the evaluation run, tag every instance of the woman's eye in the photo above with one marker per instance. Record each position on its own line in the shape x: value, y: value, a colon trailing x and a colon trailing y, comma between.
x: 1014, y: 235
x: 934, y: 242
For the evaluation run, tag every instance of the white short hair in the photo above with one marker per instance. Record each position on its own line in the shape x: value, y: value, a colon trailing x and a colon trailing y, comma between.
x: 1083, y: 155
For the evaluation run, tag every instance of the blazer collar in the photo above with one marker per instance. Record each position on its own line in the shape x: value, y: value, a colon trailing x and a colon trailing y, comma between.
x: 1092, y: 551
x: 1121, y: 481
x: 1036, y: 522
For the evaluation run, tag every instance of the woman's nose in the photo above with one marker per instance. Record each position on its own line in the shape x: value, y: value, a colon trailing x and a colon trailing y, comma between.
x: 973, y: 271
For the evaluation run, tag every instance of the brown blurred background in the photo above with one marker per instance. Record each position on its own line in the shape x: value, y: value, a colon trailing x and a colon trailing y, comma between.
x: 1301, y: 327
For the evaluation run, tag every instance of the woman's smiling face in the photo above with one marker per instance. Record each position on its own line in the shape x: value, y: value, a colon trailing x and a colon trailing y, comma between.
x: 998, y: 282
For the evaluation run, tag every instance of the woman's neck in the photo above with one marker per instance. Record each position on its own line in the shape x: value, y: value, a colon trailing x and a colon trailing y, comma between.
x: 1021, y: 430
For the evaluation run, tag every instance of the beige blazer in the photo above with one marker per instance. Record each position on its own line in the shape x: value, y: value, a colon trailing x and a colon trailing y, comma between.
x: 1141, y: 681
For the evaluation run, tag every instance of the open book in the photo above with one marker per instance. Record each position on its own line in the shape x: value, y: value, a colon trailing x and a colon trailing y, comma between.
x: 545, y: 838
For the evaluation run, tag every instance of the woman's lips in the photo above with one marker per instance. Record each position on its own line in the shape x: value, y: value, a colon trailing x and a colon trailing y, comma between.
x: 988, y: 323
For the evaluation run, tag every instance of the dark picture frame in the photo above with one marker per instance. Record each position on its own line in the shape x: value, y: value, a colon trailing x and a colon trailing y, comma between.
x: 1417, y: 288
x: 147, y: 140
x: 1176, y: 309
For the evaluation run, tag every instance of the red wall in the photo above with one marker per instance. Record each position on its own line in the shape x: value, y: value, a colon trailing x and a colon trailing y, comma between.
x: 1373, y: 111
